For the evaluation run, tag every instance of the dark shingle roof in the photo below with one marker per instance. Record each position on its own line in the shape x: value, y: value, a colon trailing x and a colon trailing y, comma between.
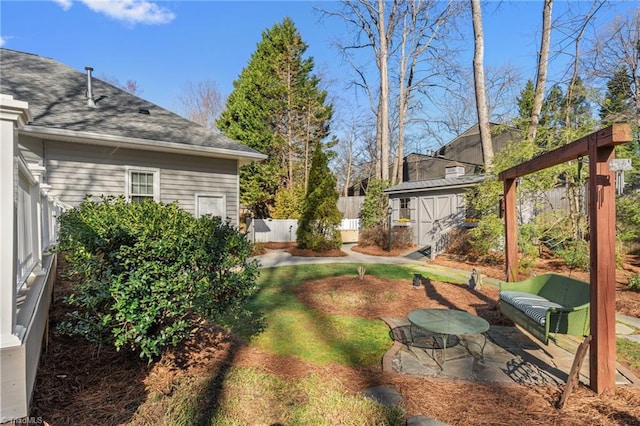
x: 435, y: 184
x: 57, y: 99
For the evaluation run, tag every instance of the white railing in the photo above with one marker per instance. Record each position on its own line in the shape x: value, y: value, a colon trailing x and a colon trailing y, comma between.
x: 440, y: 244
x: 350, y: 225
x: 37, y: 214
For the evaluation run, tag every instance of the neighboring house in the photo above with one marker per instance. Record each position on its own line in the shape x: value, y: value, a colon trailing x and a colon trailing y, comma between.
x: 465, y: 149
x: 431, y: 199
x: 64, y: 135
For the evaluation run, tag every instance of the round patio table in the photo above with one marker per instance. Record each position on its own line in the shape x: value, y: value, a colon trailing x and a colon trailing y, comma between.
x: 448, y: 322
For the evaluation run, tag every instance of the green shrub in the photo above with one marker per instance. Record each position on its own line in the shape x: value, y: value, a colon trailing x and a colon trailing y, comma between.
x: 145, y: 274
x: 634, y: 282
x: 628, y: 217
x: 488, y: 235
x: 575, y: 253
x: 373, y: 236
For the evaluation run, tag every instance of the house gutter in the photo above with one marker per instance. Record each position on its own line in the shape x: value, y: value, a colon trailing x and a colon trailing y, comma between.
x: 100, y: 139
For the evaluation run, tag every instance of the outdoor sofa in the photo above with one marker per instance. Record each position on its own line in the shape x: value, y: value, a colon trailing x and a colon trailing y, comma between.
x: 548, y: 303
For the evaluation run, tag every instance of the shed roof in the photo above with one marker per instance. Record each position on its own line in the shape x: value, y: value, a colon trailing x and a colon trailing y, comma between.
x: 436, y: 184
x: 56, y: 94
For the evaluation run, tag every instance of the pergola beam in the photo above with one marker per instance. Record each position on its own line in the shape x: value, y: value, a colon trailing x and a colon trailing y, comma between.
x: 613, y: 135
x: 599, y: 146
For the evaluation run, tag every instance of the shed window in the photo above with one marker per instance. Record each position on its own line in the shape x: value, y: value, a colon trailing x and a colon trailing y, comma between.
x: 405, y: 208
x: 143, y: 184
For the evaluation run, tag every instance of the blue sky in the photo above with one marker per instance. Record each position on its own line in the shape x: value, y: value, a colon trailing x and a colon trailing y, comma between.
x: 162, y: 45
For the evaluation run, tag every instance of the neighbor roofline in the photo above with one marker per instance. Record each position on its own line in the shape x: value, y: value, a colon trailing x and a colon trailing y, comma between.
x: 101, y: 139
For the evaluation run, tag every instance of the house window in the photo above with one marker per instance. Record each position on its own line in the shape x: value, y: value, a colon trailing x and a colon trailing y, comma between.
x: 143, y: 184
x: 405, y: 208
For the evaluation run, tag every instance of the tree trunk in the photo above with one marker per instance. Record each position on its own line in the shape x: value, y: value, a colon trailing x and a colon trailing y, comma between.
x: 481, y: 95
x: 289, y: 127
x: 543, y: 65
x: 384, y: 93
x: 347, y: 180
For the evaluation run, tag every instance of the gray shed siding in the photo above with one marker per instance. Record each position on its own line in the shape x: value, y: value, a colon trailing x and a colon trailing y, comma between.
x: 432, y: 212
x: 74, y: 170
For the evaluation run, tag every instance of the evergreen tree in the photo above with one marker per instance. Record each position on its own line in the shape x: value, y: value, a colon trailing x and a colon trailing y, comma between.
x: 525, y: 101
x: 374, y: 208
x: 318, y: 226
x: 577, y: 109
x: 552, y: 115
x: 277, y: 108
x: 288, y: 202
x: 617, y: 105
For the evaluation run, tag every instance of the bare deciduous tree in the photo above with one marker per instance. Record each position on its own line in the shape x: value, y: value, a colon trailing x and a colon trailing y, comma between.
x: 480, y: 90
x: 543, y: 66
x: 201, y: 102
x: 422, y: 26
x: 617, y: 46
x: 131, y: 86
x: 400, y: 33
x: 376, y: 23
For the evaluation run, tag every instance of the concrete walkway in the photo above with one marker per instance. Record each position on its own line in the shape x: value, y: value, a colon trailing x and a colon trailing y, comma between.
x: 510, y: 354
x: 275, y: 258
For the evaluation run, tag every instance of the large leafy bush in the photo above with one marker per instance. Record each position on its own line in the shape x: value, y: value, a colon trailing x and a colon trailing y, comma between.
x: 146, y: 274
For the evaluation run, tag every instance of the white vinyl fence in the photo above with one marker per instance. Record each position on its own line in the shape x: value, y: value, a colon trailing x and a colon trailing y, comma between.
x: 284, y: 230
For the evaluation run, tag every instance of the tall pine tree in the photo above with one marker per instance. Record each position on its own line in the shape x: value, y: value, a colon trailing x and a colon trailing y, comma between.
x: 525, y: 102
x: 318, y: 226
x: 618, y: 105
x: 277, y: 108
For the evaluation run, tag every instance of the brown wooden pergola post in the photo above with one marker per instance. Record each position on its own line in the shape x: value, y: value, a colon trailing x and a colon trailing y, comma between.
x: 602, y: 262
x: 599, y: 146
x: 511, y: 229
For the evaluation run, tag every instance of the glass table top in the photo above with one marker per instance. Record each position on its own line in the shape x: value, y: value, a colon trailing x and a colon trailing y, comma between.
x: 448, y: 321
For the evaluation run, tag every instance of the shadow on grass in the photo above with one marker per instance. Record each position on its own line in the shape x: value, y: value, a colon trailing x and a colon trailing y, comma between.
x: 276, y: 312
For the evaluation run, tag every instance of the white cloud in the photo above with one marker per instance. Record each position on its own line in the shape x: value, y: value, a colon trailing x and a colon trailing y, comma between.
x: 2, y: 41
x: 65, y: 4
x: 131, y: 11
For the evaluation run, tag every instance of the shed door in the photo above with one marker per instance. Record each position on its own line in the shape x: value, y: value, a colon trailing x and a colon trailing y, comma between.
x: 432, y: 215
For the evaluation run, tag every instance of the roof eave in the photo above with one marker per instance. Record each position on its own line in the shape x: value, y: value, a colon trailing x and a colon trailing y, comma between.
x: 433, y: 188
x: 101, y: 139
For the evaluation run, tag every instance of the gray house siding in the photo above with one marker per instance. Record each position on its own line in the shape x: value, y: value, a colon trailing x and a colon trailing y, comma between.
x: 75, y: 170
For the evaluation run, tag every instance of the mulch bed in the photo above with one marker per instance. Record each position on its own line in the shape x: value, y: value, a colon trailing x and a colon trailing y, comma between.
x: 79, y: 383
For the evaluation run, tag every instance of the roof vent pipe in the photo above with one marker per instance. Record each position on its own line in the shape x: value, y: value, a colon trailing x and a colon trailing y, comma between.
x: 90, y: 101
